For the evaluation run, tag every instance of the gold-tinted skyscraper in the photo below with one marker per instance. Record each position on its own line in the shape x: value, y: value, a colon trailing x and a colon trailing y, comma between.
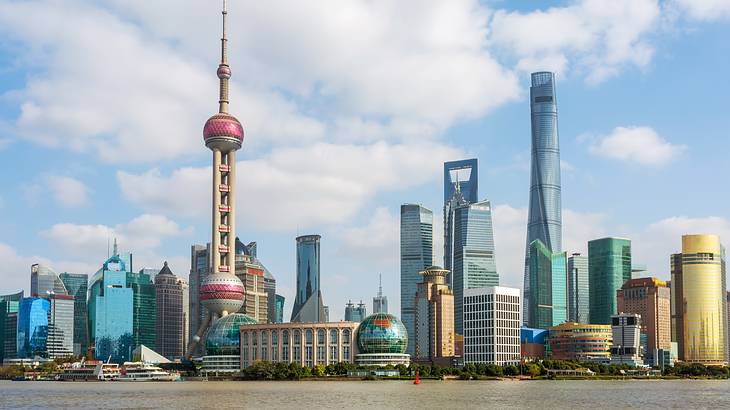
x: 699, y: 311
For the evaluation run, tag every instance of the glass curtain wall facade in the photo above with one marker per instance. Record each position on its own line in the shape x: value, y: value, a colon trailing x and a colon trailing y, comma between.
x: 32, y: 335
x: 460, y: 188
x: 699, y: 304
x: 308, y: 275
x: 60, y: 327
x: 475, y: 265
x: 416, y: 255
x: 544, y: 220
x: 44, y: 280
x: 279, y: 309
x: 144, y: 309
x: 549, y: 286
x: 9, y: 305
x: 77, y: 285
x: 578, y: 289
x: 199, y: 264
x: 609, y: 267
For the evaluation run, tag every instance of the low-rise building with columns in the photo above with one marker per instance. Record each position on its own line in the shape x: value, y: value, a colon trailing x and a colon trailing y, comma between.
x: 307, y: 344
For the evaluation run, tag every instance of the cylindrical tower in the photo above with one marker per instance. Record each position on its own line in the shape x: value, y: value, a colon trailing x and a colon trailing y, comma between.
x: 222, y: 292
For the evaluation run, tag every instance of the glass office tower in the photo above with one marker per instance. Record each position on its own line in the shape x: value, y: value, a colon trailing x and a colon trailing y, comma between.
x: 279, y: 309
x: 77, y: 285
x: 474, y: 259
x: 9, y: 305
x: 44, y: 280
x: 460, y: 188
x: 544, y: 221
x: 548, y: 276
x: 32, y: 333
x: 609, y: 266
x: 578, y: 289
x: 308, y: 304
x: 416, y: 255
x: 144, y: 309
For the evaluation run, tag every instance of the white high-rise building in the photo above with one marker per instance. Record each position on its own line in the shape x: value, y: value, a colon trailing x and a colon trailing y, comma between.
x: 626, y: 329
x: 492, y: 320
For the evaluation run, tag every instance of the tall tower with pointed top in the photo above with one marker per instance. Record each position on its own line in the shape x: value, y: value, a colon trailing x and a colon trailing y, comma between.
x: 222, y: 292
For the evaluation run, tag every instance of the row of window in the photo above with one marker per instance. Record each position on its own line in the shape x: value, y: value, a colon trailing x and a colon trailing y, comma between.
x: 296, y: 336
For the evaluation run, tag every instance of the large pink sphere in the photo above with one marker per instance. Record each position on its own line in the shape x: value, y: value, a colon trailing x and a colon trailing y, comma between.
x: 222, y: 292
x: 223, y: 131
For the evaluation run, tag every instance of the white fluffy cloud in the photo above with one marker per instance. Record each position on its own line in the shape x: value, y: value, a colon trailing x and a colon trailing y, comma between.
x: 596, y: 37
x: 67, y: 191
x: 641, y: 145
x: 295, y: 187
x: 704, y: 9
x: 376, y: 242
x: 128, y: 84
x: 143, y: 235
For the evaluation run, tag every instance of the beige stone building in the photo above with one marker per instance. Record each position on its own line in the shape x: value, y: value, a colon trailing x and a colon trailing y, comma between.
x: 650, y: 298
x: 434, y: 318
x: 251, y: 274
x: 308, y: 344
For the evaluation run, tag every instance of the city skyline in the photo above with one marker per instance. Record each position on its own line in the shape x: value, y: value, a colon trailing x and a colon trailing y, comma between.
x: 117, y: 175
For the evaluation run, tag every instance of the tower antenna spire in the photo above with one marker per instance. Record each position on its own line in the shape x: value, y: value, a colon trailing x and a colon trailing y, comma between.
x: 380, y: 286
x: 224, y: 70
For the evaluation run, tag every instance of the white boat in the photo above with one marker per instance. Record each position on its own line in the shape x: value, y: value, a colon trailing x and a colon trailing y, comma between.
x: 145, y: 372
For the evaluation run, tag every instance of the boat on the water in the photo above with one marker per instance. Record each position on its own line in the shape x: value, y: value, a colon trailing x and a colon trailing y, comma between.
x: 91, y: 370
x: 145, y: 372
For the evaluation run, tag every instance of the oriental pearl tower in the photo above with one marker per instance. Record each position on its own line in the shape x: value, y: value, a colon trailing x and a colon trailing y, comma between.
x: 222, y: 292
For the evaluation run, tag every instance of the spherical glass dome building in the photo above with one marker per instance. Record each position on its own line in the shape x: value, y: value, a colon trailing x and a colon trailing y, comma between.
x: 223, y: 344
x: 382, y: 340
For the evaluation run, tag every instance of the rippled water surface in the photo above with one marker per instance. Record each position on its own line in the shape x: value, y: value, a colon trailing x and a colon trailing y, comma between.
x: 684, y: 394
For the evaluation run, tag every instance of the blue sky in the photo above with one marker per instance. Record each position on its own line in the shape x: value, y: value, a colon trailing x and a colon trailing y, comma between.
x: 350, y: 110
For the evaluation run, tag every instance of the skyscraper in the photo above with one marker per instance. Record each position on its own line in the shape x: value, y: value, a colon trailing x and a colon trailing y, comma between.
x: 197, y: 313
x: 32, y: 336
x: 578, y: 289
x: 222, y: 292
x: 699, y: 300
x: 77, y: 285
x: 434, y: 335
x: 609, y: 267
x: 416, y: 255
x: 44, y: 280
x: 380, y: 302
x: 253, y: 276
x: 144, y: 309
x: 650, y: 298
x: 355, y: 313
x: 474, y: 263
x: 279, y: 318
x: 544, y: 221
x: 9, y: 305
x: 548, y: 284
x: 308, y: 304
x: 460, y: 188
x: 170, y: 324
x: 60, y: 341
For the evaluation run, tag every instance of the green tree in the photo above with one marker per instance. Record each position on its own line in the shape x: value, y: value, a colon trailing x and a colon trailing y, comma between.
x: 318, y: 370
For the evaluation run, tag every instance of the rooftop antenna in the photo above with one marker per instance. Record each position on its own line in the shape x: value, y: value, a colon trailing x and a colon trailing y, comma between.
x: 116, y: 249
x: 380, y: 286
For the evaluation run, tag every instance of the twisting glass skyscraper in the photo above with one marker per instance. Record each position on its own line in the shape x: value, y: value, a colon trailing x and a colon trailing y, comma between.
x: 544, y: 220
x: 416, y: 255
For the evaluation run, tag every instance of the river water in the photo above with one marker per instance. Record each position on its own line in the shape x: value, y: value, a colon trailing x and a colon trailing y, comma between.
x: 660, y: 394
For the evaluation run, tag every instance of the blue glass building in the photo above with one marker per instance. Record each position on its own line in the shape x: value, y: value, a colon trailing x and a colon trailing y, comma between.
x: 308, y: 305
x: 111, y: 312
x: 544, y: 221
x: 32, y: 334
x: 475, y: 265
x: 548, y: 276
x: 77, y: 285
x: 416, y: 254
x: 460, y: 188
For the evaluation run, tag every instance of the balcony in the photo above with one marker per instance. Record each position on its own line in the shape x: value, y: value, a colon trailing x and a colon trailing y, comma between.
x: 224, y: 188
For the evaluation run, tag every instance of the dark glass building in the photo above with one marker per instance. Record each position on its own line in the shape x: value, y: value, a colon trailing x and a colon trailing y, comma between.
x: 544, y: 221
x: 9, y: 305
x: 578, y: 289
x: 416, y: 255
x: 77, y: 285
x: 609, y: 267
x: 308, y: 305
x: 144, y: 309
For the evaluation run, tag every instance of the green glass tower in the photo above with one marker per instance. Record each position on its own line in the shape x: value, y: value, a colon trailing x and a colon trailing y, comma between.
x: 8, y: 325
x: 609, y: 266
x: 144, y: 309
x: 548, y: 286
